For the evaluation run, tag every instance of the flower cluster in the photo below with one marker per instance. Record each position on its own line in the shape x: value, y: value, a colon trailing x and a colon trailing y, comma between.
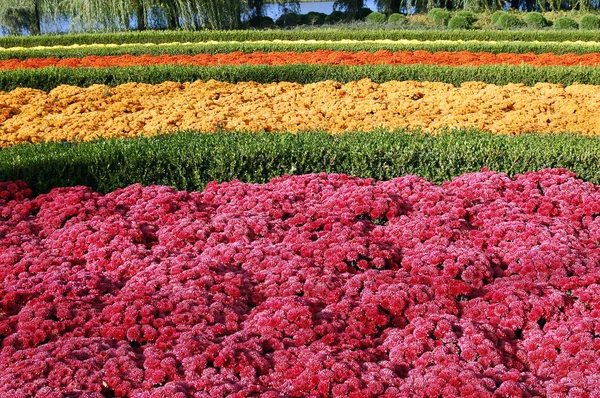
x: 70, y: 113
x: 319, y: 57
x: 314, y: 285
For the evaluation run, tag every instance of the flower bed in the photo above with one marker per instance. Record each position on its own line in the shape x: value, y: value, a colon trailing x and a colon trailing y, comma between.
x: 318, y: 57
x: 79, y: 114
x: 308, y: 285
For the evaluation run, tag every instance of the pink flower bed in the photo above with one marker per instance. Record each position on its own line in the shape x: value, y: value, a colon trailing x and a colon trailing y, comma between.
x: 315, y: 285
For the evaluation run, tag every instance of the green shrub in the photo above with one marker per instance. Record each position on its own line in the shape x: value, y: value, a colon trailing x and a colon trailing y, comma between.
x: 334, y: 17
x: 535, y: 20
x: 376, y: 18
x: 264, y: 22
x: 459, y: 22
x: 439, y: 16
x: 290, y: 19
x: 190, y: 160
x: 509, y: 21
x: 494, y: 17
x: 152, y: 36
x: 589, y: 22
x: 363, y: 13
x: 565, y: 23
x: 315, y: 18
x: 468, y: 15
x: 397, y: 19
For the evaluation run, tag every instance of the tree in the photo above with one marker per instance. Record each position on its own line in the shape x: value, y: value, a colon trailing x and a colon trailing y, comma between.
x: 27, y: 15
x: 389, y: 6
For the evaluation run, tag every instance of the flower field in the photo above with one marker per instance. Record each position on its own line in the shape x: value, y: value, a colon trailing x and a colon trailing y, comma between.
x: 300, y: 213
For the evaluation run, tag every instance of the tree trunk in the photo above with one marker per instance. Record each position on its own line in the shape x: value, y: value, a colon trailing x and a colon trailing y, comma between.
x: 514, y: 4
x: 37, y: 25
x: 140, y: 15
x: 174, y: 17
x: 395, y: 7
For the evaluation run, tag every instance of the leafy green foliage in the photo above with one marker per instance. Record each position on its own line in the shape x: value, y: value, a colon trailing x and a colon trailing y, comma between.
x: 459, y: 22
x: 496, y: 15
x: 189, y: 161
x: 49, y: 78
x: 468, y: 15
x: 535, y: 20
x: 509, y: 21
x: 589, y: 22
x: 565, y: 23
x: 439, y: 16
x: 298, y: 34
x: 397, y: 19
x: 376, y: 18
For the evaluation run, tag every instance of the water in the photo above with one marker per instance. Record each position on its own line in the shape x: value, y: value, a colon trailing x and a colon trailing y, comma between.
x: 271, y: 10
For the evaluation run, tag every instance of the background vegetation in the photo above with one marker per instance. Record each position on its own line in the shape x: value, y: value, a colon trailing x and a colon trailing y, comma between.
x: 29, y: 16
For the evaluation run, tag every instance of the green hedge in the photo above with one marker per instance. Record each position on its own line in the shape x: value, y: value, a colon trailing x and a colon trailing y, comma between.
x: 189, y: 161
x: 192, y: 49
x: 304, y: 34
x: 49, y: 78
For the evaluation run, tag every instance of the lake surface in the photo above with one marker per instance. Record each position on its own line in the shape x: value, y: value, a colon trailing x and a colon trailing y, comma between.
x: 272, y: 10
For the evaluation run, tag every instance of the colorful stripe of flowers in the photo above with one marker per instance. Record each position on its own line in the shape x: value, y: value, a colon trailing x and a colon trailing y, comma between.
x: 341, y: 41
x: 314, y: 285
x: 319, y: 57
x: 80, y: 114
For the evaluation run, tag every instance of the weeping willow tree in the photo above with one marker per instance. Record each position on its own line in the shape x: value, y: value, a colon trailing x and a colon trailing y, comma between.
x: 172, y: 14
x: 19, y: 16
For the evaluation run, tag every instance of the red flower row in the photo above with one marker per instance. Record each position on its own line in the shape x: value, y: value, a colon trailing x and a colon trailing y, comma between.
x: 319, y: 57
x: 314, y: 285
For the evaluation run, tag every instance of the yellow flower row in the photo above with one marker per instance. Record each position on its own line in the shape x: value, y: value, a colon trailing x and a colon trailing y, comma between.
x: 299, y: 42
x: 74, y: 114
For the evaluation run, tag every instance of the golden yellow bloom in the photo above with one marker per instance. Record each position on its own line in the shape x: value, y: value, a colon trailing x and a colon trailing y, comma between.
x: 80, y: 114
x: 300, y: 42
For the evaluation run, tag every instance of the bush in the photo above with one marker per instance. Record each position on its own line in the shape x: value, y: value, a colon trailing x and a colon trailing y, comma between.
x: 459, y: 22
x: 264, y: 22
x: 589, y: 22
x: 363, y: 13
x: 496, y: 15
x: 290, y: 19
x: 334, y: 17
x: 315, y: 18
x: 535, y: 20
x: 565, y: 23
x: 439, y: 16
x: 468, y: 15
x: 376, y: 18
x: 397, y: 19
x: 509, y: 21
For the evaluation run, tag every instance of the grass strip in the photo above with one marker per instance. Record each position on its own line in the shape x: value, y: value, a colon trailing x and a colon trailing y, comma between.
x: 189, y: 161
x: 249, y: 47
x: 298, y: 34
x: 51, y: 77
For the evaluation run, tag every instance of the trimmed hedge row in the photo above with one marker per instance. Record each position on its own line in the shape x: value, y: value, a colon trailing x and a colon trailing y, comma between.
x: 192, y: 49
x: 305, y: 34
x: 189, y: 161
x: 49, y: 78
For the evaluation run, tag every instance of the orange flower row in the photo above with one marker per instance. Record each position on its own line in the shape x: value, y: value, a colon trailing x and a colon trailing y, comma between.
x: 320, y: 57
x: 70, y: 113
